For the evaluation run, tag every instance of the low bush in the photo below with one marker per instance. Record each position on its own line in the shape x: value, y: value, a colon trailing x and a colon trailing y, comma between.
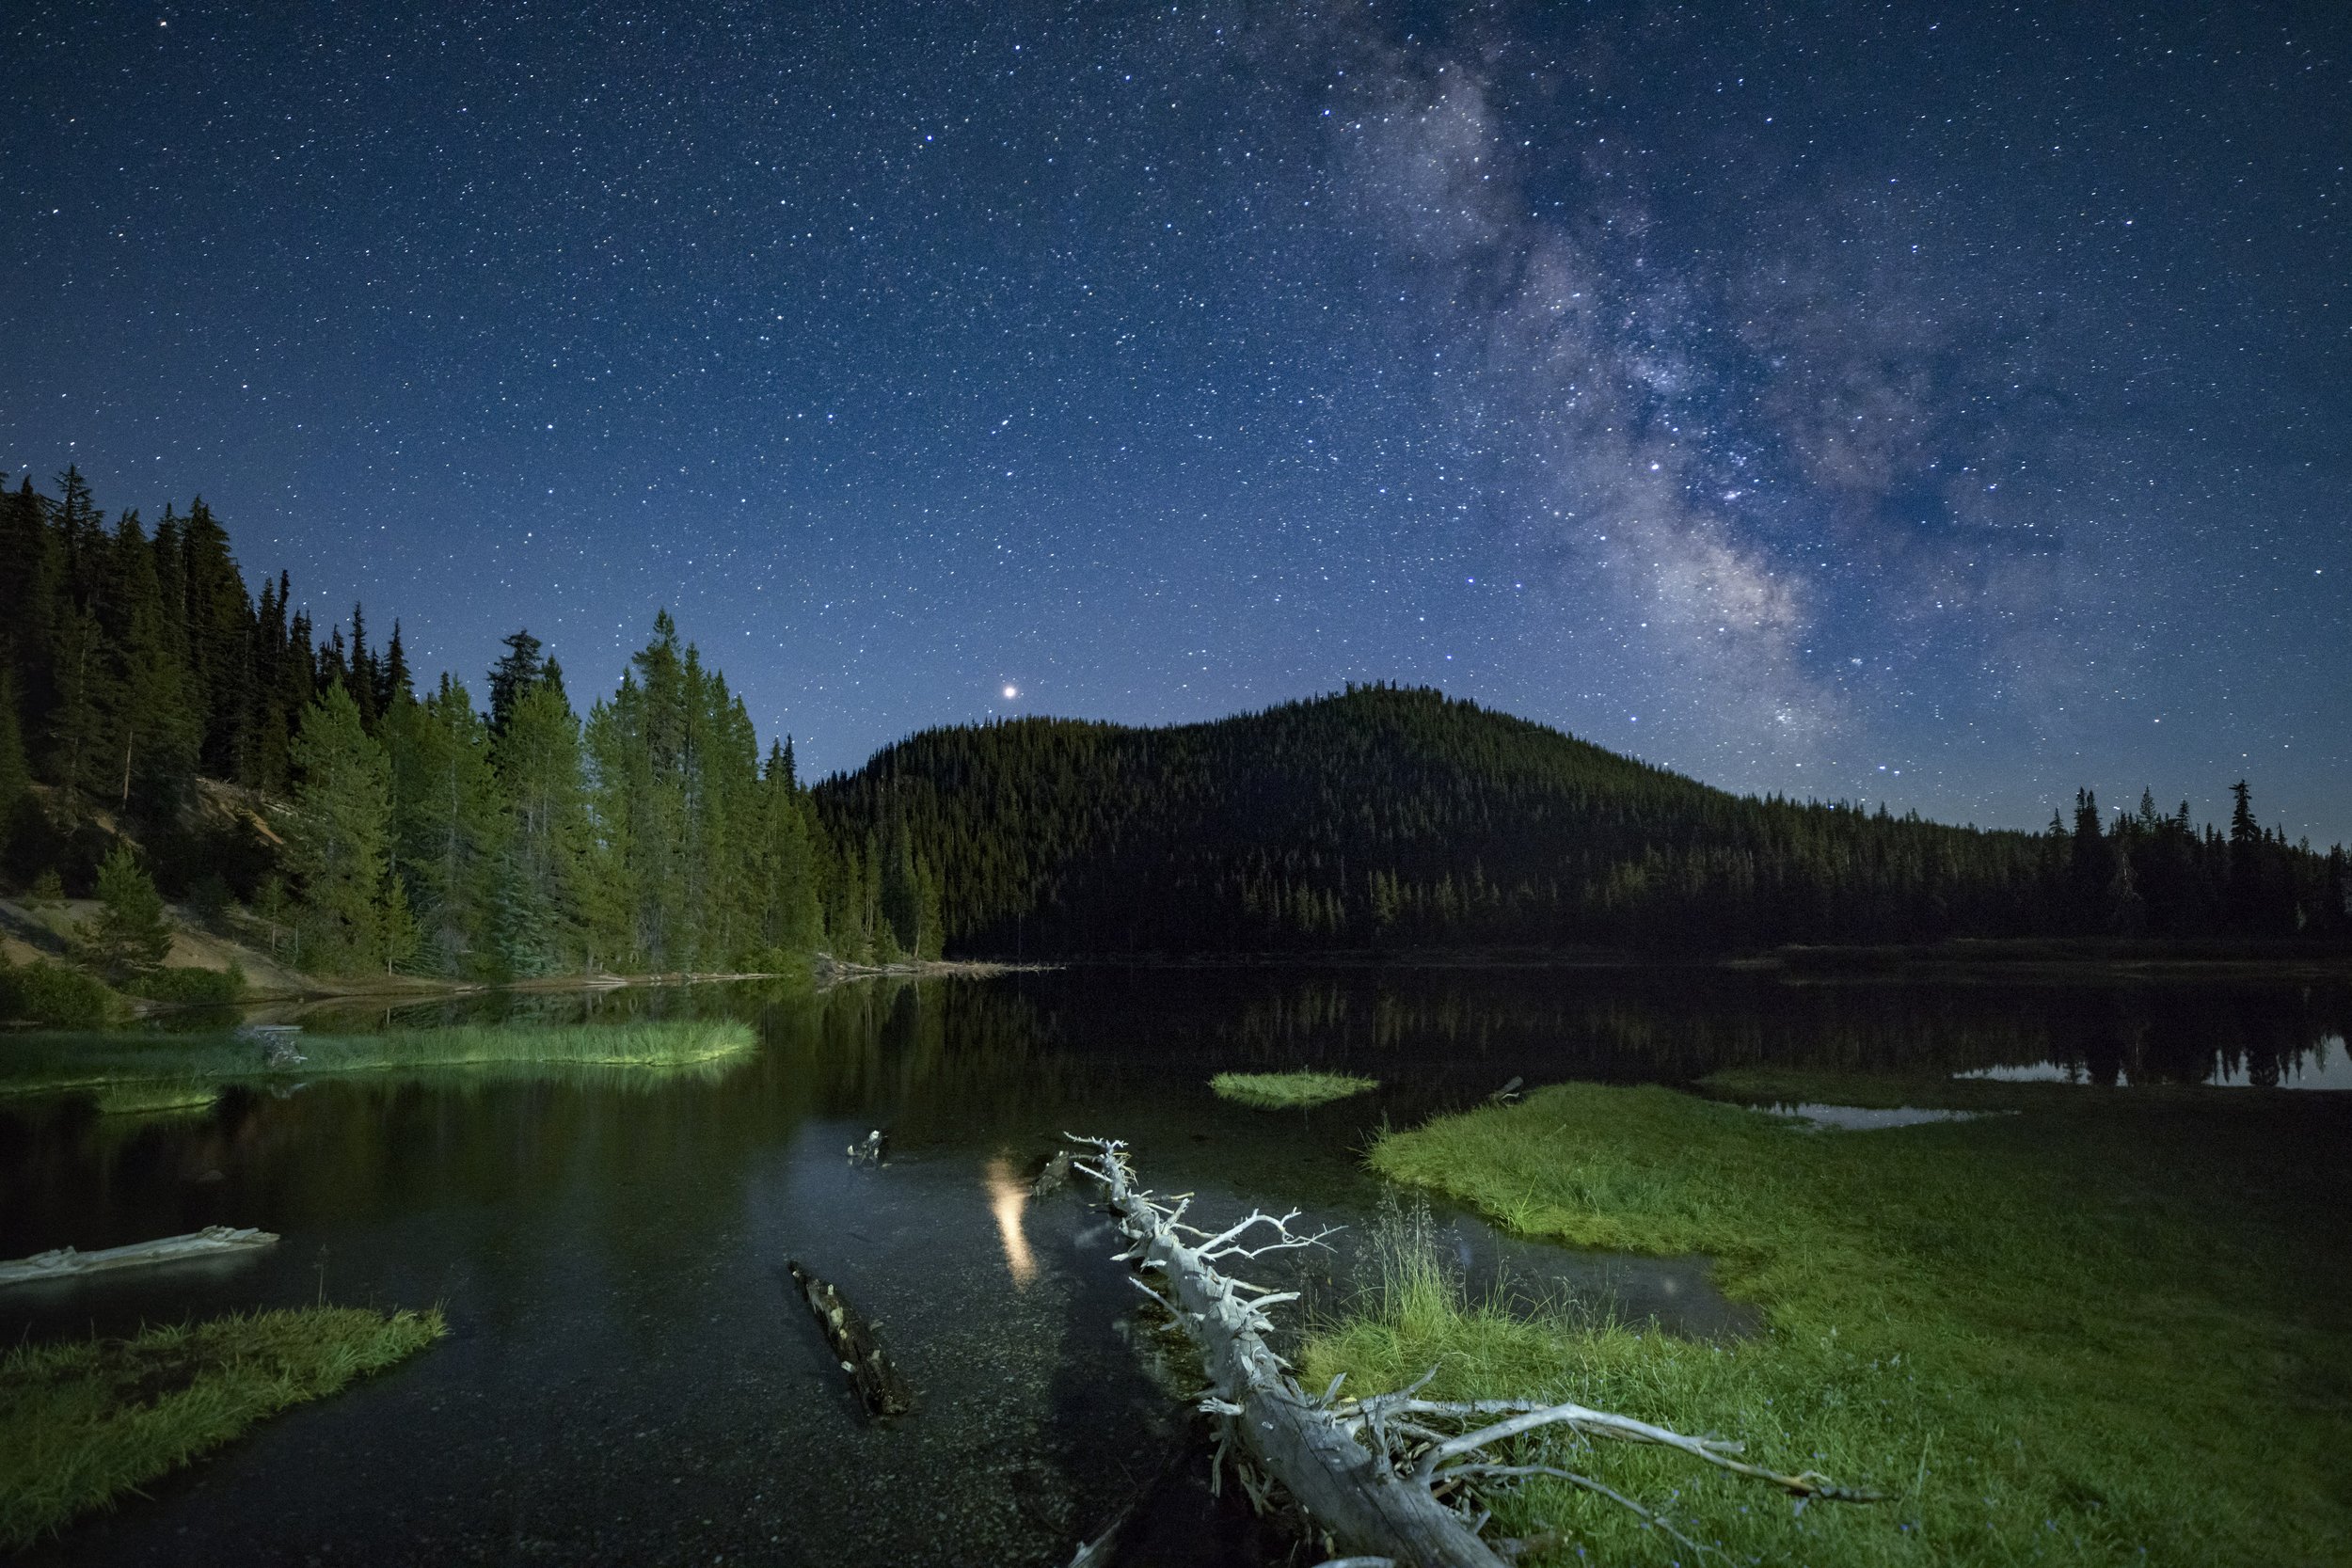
x: 192, y: 987
x: 51, y: 994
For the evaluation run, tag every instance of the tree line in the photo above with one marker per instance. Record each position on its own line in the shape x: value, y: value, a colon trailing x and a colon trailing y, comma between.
x: 1390, y: 818
x: 303, y: 781
x: 307, y: 783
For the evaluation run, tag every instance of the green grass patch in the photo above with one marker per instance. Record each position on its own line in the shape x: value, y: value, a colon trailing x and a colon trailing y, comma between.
x: 1280, y: 1091
x: 82, y: 1422
x: 114, y: 1060
x: 2111, y: 1328
x: 160, y: 1097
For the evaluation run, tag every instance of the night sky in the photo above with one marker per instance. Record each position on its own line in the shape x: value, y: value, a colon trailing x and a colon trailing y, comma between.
x: 1942, y: 406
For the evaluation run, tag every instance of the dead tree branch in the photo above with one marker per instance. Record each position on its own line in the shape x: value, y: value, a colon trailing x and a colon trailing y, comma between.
x: 1391, y: 1477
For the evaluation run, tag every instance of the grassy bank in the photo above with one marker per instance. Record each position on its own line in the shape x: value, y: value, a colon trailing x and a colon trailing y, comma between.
x: 2110, y: 1328
x: 114, y: 1061
x: 1276, y: 1091
x: 82, y: 1422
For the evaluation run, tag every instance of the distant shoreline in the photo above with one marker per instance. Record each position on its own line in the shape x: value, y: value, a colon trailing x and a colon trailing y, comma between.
x: 1961, y: 959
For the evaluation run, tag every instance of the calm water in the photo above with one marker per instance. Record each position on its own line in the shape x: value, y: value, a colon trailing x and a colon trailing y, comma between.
x: 628, y: 1380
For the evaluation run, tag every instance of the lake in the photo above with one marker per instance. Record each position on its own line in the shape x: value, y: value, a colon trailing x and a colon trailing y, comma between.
x: 629, y: 1378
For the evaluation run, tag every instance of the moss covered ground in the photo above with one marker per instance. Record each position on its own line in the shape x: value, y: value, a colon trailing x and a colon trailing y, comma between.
x: 86, y: 1421
x: 2108, y: 1327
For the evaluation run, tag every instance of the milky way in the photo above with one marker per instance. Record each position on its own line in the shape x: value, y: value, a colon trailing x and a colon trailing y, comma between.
x: 1947, y: 409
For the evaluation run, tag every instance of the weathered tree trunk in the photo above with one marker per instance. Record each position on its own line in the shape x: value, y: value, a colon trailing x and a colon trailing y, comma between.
x: 875, y: 1378
x: 1349, y: 1493
x: 1341, y: 1460
x: 214, y: 1240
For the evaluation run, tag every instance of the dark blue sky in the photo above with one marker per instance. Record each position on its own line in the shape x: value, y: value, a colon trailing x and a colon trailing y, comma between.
x: 1944, y: 406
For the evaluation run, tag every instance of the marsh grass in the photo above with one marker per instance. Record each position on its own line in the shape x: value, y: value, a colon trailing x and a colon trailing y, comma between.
x: 154, y: 1097
x: 2107, y: 1329
x: 1279, y: 1091
x: 114, y: 1062
x: 85, y: 1422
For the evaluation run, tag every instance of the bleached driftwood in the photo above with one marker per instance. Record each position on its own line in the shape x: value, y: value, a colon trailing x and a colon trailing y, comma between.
x: 66, y: 1262
x: 875, y: 1378
x: 1392, y: 1478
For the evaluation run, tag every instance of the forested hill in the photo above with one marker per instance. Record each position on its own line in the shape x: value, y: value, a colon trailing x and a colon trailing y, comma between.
x: 1384, y: 817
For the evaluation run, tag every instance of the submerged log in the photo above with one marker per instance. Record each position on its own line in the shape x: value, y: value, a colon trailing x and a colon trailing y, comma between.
x: 214, y: 1240
x: 1054, y: 1177
x: 850, y: 1334
x: 1390, y: 1478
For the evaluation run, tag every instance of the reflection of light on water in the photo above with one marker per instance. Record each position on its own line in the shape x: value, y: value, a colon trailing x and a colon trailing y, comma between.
x: 2324, y: 1063
x: 1007, y: 1198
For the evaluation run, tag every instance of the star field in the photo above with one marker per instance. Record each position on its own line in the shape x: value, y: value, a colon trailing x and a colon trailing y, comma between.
x: 1947, y: 407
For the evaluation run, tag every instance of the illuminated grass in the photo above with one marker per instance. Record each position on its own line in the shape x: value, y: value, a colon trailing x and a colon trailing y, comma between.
x: 1276, y: 1091
x: 115, y: 1060
x: 163, y: 1097
x: 82, y: 1422
x: 2104, y: 1330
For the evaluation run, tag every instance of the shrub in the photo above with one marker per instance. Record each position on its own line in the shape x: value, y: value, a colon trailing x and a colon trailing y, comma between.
x: 192, y: 987
x: 41, y: 992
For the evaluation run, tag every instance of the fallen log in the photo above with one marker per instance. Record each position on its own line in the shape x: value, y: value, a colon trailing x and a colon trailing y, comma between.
x: 1386, y: 1478
x: 850, y: 1334
x: 214, y: 1240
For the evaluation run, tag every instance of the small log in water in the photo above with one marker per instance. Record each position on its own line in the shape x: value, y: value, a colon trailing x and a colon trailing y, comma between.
x: 214, y: 1240
x: 875, y: 1378
x: 1054, y: 1177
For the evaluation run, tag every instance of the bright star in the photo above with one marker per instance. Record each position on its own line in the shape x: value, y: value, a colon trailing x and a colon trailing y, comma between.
x: 1011, y: 692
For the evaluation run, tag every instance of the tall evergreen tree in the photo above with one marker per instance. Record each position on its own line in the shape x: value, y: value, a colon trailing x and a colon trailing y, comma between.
x: 151, y: 728
x: 518, y: 671
x: 337, y: 834
x: 538, y: 758
x: 449, y: 827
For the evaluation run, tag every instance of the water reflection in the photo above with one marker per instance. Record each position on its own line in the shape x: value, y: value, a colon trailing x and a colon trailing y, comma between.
x: 1007, y: 1195
x: 628, y: 1381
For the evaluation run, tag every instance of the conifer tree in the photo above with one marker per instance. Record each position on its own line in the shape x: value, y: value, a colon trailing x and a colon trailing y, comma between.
x: 338, y: 835
x: 16, y: 775
x: 148, y: 721
x: 518, y: 671
x: 537, y: 760
x: 130, y: 935
x: 447, y: 826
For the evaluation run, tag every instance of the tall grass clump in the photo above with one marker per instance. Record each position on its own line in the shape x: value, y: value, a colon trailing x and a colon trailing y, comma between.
x: 48, y: 1063
x: 2105, y: 1330
x: 85, y: 1422
x: 1280, y: 1091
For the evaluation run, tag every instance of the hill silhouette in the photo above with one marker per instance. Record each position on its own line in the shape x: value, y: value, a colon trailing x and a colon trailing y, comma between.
x: 1384, y: 817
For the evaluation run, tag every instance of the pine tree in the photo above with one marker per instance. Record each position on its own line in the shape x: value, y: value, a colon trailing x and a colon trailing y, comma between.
x: 448, y: 826
x: 149, y: 724
x: 899, y: 896
x: 337, y: 834
x: 518, y: 671
x: 130, y: 935
x: 221, y: 632
x: 537, y: 760
x: 16, y: 775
